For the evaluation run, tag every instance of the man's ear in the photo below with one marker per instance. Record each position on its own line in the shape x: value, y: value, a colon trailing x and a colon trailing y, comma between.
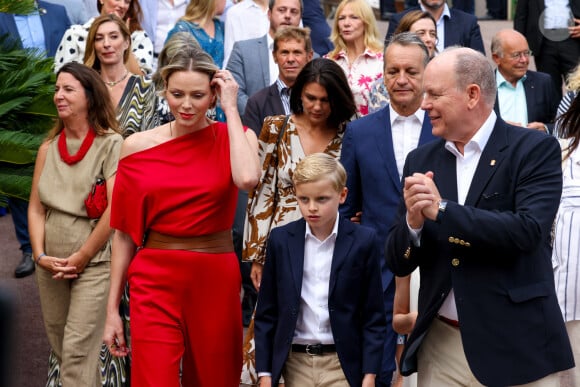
x: 473, y: 95
x: 343, y: 195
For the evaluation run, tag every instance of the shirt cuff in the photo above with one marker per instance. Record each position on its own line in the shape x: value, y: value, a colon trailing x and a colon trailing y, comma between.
x: 415, y: 234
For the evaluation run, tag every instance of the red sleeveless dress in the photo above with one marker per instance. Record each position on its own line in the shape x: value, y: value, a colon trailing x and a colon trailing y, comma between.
x: 183, y: 304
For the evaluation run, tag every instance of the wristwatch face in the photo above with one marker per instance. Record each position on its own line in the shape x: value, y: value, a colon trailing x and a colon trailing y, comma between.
x: 442, y: 205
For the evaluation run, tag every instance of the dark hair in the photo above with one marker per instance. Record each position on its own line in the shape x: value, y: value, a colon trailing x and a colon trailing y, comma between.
x: 329, y: 75
x: 101, y: 112
x: 569, y: 125
x: 91, y: 59
x: 134, y: 14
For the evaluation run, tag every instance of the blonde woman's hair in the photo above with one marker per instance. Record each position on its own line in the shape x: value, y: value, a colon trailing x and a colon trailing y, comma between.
x: 319, y: 166
x: 189, y: 58
x: 178, y: 42
x: 199, y: 11
x: 573, y: 80
x: 371, y: 32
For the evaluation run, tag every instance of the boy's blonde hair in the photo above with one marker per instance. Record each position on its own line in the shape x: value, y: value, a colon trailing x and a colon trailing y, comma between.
x: 318, y: 166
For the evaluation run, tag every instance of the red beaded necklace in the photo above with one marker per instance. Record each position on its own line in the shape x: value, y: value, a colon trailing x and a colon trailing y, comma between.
x: 85, y: 146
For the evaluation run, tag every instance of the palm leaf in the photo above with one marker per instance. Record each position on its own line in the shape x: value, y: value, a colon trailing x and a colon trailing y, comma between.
x: 15, y: 181
x: 19, y: 147
x: 21, y: 7
x: 26, y: 112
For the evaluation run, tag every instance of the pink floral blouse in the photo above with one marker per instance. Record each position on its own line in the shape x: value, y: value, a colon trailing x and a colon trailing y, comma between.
x: 361, y: 74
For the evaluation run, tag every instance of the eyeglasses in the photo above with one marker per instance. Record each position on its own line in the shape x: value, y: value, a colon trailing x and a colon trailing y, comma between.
x: 517, y: 55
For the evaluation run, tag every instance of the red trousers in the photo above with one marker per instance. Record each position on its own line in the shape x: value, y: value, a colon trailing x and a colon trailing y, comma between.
x: 185, y: 305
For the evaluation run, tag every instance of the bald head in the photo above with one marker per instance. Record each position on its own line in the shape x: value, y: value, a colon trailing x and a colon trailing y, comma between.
x: 471, y: 67
x: 506, y: 36
x: 459, y: 93
x: 511, y: 54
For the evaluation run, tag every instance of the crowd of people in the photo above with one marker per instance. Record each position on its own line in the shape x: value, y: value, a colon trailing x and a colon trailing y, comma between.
x: 378, y: 212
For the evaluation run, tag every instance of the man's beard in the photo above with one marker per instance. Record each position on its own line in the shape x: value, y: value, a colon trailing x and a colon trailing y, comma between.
x: 432, y: 7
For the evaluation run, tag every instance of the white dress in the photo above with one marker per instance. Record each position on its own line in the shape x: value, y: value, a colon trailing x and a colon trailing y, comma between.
x: 411, y: 381
x: 566, y: 251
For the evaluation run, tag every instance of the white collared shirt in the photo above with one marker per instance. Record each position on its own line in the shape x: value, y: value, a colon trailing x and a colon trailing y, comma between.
x: 466, y: 164
x: 273, y: 67
x: 246, y: 20
x: 406, y: 132
x: 440, y: 26
x: 512, y: 100
x: 313, y: 323
x: 557, y: 14
x: 167, y: 16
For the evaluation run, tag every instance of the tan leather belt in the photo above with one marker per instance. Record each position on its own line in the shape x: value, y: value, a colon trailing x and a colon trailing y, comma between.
x: 219, y: 242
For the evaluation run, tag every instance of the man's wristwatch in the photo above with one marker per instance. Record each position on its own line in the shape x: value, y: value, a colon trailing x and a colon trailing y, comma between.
x: 441, y: 210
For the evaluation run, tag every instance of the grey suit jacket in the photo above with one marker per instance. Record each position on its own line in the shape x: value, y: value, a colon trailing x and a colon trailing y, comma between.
x: 249, y: 64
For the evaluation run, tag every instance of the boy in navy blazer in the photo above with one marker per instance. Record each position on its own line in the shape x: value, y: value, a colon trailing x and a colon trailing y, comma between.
x: 319, y: 318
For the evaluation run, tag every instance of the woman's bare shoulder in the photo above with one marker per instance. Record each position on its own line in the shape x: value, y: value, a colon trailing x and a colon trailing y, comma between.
x: 141, y: 141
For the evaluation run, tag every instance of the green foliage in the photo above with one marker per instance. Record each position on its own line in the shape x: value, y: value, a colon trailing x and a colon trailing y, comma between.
x: 16, y: 180
x: 22, y: 7
x: 26, y: 113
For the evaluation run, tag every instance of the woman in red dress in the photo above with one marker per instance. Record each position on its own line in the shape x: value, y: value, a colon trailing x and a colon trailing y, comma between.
x: 173, y: 209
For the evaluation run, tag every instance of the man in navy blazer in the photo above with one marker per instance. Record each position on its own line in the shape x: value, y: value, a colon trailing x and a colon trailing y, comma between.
x: 476, y: 219
x: 251, y: 60
x: 459, y: 28
x: 292, y: 50
x: 525, y: 98
x: 373, y: 152
x: 54, y: 21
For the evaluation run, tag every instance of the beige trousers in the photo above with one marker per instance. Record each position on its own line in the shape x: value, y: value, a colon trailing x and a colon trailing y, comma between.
x: 303, y: 370
x: 441, y: 361
x: 74, y: 314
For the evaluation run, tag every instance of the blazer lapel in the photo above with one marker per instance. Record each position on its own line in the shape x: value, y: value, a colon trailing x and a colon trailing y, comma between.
x: 491, y: 158
x: 296, y: 253
x: 10, y: 25
x: 275, y: 101
x: 446, y: 175
x: 530, y: 90
x: 264, y: 60
x: 384, y: 141
x: 426, y: 131
x: 344, y: 241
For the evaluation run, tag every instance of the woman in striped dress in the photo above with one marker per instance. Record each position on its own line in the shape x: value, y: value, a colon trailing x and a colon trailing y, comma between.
x: 108, y: 51
x: 566, y: 247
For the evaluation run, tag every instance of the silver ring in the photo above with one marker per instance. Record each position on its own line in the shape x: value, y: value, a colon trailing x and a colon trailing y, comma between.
x: 227, y: 79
